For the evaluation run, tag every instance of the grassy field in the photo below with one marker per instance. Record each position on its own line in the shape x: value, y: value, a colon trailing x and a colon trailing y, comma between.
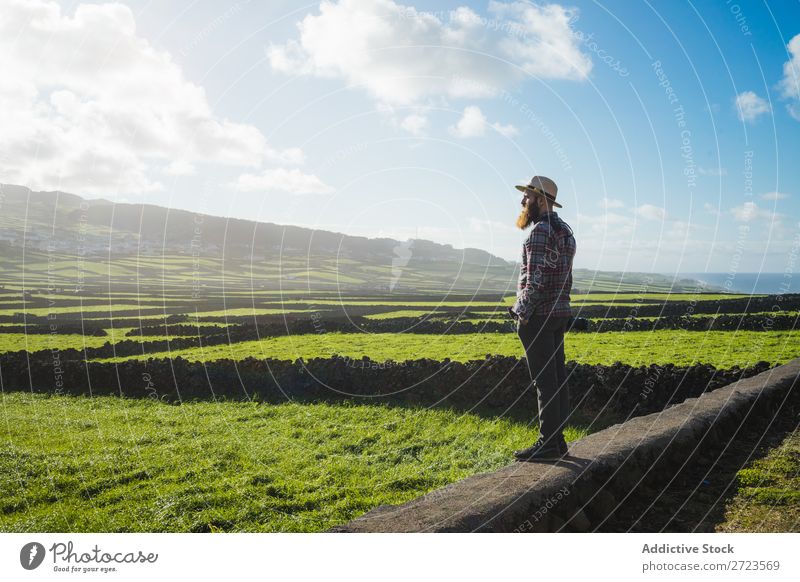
x: 77, y: 309
x: 81, y: 464
x: 657, y: 296
x: 502, y: 315
x: 722, y: 349
x: 109, y: 464
x: 768, y: 492
x: 33, y: 342
x: 234, y: 312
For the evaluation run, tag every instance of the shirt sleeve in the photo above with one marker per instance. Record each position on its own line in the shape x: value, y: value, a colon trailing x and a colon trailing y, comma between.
x: 533, y: 284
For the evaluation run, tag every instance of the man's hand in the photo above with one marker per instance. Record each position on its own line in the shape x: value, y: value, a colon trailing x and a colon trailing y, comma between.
x: 517, y: 318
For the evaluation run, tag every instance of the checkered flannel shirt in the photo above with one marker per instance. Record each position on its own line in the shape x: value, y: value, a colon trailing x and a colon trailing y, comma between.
x: 545, y: 275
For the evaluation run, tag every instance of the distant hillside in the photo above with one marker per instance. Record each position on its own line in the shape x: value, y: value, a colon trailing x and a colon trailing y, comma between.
x: 68, y: 240
x: 131, y: 226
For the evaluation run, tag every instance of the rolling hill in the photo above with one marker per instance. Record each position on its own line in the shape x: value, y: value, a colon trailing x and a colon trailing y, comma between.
x: 62, y: 240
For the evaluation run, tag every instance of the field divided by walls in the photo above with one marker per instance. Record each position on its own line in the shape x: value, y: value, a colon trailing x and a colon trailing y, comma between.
x: 295, y: 412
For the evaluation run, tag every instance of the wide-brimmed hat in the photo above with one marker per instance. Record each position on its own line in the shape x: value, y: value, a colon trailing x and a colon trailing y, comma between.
x: 543, y: 187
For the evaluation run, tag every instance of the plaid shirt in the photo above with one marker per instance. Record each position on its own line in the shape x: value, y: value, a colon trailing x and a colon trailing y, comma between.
x: 545, y: 275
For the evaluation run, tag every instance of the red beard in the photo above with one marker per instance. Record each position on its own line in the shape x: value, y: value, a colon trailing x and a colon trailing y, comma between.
x: 528, y: 215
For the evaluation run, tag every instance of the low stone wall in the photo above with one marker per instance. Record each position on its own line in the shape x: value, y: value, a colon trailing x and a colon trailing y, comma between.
x: 581, y: 490
x: 495, y: 385
x: 644, y: 307
x: 761, y: 313
x: 723, y: 322
x: 152, y: 336
x: 420, y: 325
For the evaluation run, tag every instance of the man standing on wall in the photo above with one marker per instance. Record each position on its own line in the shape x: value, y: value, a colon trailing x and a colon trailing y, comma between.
x: 542, y: 311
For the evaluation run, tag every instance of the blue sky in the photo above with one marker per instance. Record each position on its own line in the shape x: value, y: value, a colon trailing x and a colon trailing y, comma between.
x: 671, y: 128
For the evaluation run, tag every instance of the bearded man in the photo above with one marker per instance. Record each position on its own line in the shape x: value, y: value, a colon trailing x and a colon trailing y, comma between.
x: 542, y: 311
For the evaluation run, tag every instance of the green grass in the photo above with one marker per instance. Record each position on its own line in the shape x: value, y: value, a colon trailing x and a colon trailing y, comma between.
x: 33, y: 342
x: 402, y: 313
x: 722, y: 349
x: 79, y: 464
x: 100, y: 303
x: 702, y: 315
x: 390, y: 303
x: 105, y: 299
x: 238, y: 311
x: 74, y: 309
x: 639, y: 299
x: 768, y: 492
x: 499, y: 311
x: 657, y: 296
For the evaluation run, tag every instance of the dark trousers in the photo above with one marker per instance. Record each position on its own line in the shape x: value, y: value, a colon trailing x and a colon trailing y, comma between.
x: 543, y: 340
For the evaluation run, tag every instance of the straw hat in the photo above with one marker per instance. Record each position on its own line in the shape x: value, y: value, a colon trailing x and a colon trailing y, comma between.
x: 543, y: 187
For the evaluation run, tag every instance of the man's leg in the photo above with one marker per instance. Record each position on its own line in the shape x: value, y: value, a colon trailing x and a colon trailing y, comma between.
x: 561, y: 373
x: 538, y: 339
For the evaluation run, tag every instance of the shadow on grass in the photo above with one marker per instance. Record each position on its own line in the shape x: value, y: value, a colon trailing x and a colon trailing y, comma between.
x: 697, y: 498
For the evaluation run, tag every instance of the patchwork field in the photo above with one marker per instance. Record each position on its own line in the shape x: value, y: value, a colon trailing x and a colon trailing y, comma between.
x: 104, y: 463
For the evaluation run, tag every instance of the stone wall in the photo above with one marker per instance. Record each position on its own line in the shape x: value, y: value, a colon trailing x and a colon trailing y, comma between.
x: 582, y: 489
x: 421, y: 325
x: 495, y: 385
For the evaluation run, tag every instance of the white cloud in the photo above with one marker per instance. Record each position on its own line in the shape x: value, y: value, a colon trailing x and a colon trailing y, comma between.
x: 400, y: 55
x: 619, y: 241
x: 774, y: 196
x: 611, y: 203
x: 651, y: 212
x: 745, y: 212
x: 608, y: 225
x: 473, y: 123
x: 415, y: 124
x: 505, y: 130
x: 750, y: 211
x: 790, y: 84
x: 681, y: 229
x: 293, y: 181
x: 483, y: 225
x: 179, y: 168
x: 749, y: 106
x: 89, y: 105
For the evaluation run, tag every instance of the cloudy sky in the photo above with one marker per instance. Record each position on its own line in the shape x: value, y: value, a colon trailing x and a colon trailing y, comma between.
x: 671, y: 128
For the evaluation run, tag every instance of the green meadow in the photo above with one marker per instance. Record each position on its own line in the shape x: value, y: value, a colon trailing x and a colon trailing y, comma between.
x: 722, y: 349
x: 122, y: 465
x: 80, y: 464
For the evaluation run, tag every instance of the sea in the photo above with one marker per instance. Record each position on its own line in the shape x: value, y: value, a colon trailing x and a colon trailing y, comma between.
x: 758, y: 283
